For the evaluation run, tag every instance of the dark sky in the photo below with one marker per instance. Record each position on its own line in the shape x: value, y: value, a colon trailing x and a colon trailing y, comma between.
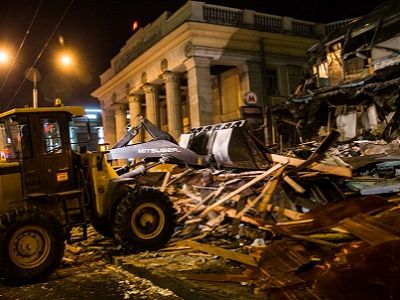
x: 95, y: 30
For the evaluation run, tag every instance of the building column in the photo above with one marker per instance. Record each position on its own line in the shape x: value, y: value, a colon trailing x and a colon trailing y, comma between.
x: 135, y: 109
x: 120, y: 120
x: 108, y: 118
x: 174, y: 103
x: 120, y: 124
x: 251, y: 79
x: 199, y: 88
x: 152, y: 103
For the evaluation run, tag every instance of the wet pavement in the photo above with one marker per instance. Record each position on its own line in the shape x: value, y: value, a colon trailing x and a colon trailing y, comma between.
x: 87, y: 272
x: 98, y: 281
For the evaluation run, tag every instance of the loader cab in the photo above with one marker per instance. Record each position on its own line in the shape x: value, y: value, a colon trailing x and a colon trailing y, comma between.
x: 38, y: 138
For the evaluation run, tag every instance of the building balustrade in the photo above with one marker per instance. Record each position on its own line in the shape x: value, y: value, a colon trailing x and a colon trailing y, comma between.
x: 268, y: 22
x: 218, y: 14
x: 196, y: 11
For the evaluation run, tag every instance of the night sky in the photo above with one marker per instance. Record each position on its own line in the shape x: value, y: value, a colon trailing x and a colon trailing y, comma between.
x: 95, y: 30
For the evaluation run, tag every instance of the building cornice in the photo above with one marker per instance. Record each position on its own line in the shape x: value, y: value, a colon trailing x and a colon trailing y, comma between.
x: 226, y: 44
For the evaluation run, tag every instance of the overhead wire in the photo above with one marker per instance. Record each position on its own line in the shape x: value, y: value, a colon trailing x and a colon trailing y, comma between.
x: 20, y: 46
x: 41, y: 52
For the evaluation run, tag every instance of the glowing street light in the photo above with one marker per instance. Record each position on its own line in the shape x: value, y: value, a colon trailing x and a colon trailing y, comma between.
x: 33, y: 75
x: 63, y: 60
x: 66, y: 60
x: 4, y: 58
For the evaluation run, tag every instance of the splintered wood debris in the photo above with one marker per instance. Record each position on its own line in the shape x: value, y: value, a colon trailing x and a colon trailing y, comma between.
x: 290, y: 224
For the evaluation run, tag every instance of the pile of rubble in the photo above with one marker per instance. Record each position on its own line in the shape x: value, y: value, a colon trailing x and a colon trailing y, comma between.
x: 303, y: 229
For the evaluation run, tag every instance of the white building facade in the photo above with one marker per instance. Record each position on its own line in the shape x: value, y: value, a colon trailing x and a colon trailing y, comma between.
x: 194, y: 67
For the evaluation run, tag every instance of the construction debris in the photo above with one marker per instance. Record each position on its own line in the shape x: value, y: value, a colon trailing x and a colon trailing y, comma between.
x: 289, y: 225
x: 315, y: 220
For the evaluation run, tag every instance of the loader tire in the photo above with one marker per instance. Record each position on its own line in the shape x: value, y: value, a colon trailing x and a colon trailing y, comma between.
x: 31, y: 245
x: 144, y: 220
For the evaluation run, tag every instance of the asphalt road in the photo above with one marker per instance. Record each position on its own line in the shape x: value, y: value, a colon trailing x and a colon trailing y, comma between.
x: 97, y: 280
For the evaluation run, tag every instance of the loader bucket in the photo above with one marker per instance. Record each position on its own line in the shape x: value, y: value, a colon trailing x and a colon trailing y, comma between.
x: 229, y: 144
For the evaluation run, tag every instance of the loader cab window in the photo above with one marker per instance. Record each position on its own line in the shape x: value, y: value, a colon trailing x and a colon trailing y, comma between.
x: 51, y: 136
x: 25, y: 137
x: 6, y: 152
x: 15, y: 139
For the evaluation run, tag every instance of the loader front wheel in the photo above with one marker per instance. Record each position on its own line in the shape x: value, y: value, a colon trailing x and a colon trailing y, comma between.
x: 31, y: 245
x: 144, y: 220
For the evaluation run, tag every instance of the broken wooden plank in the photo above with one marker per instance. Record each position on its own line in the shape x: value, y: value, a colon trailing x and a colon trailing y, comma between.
x: 308, y: 174
x: 318, y: 153
x: 179, y: 176
x: 270, y: 190
x: 168, y: 249
x: 320, y: 167
x: 331, y: 236
x: 293, y: 184
x: 242, y: 188
x: 315, y: 241
x: 253, y: 202
x: 366, y: 231
x: 296, y: 222
x: 165, y: 181
x: 235, y: 256
x: 209, y: 196
x: 394, y: 200
x: 193, y: 221
x: 231, y: 212
x: 241, y: 174
x: 291, y: 214
x: 249, y: 205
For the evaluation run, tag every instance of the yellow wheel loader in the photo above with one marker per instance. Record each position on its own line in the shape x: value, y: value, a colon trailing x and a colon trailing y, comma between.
x: 46, y: 188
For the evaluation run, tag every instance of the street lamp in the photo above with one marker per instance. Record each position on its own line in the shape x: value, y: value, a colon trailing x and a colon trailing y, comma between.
x: 33, y: 75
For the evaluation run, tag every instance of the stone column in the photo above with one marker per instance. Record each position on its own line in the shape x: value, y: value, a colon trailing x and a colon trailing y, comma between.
x: 120, y: 119
x: 135, y: 109
x: 152, y: 103
x: 199, y: 87
x: 108, y: 118
x: 174, y: 103
x: 251, y: 79
x: 120, y: 124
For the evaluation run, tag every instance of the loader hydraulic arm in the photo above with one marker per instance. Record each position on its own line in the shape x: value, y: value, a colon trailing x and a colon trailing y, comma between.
x: 163, y: 148
x: 153, y: 130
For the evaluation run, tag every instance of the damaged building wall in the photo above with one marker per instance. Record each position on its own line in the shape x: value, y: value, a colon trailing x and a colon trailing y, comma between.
x: 335, y: 65
x: 354, y: 82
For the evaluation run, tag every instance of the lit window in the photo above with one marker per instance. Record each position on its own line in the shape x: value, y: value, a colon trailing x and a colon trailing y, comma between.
x: 51, y: 136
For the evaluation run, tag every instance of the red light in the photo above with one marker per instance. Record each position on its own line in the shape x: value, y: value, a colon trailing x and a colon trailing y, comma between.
x: 135, y: 25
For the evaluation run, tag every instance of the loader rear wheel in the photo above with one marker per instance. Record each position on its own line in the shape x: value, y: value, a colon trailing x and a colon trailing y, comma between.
x: 144, y: 220
x: 31, y: 245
